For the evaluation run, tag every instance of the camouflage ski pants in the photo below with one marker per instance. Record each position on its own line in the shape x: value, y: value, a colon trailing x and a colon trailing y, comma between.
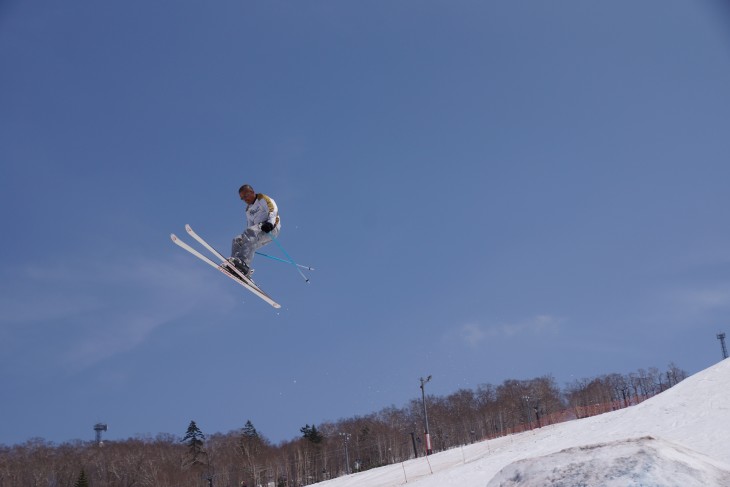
x: 245, y: 245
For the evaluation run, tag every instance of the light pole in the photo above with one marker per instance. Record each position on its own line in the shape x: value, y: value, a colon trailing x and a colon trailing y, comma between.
x: 536, y: 407
x: 529, y: 416
x: 425, y: 414
x: 99, y: 427
x: 346, y: 438
x: 721, y: 337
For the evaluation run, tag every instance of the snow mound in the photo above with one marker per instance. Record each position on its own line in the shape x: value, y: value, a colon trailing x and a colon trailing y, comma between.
x: 639, y: 462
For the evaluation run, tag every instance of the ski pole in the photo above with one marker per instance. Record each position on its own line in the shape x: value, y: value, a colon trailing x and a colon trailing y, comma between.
x: 291, y: 261
x: 284, y: 260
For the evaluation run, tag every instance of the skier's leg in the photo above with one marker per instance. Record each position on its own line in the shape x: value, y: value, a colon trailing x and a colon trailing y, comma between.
x: 245, y: 245
x: 265, y: 238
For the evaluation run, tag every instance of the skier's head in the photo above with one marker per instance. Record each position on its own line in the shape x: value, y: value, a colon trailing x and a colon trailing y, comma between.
x: 247, y: 194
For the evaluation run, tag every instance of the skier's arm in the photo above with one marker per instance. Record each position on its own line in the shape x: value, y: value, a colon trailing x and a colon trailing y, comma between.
x: 273, y: 210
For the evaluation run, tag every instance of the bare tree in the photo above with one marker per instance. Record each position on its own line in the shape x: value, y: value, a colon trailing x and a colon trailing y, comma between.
x: 246, y: 457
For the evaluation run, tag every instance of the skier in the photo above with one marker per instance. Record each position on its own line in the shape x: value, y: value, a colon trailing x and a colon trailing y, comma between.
x: 262, y: 224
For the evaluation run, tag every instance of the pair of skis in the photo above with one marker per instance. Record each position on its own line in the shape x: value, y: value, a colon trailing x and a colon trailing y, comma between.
x: 224, y: 266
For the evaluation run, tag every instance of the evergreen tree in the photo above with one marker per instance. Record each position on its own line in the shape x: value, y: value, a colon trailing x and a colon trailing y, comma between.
x: 312, y: 434
x: 249, y: 432
x: 251, y: 446
x: 250, y: 440
x: 194, y: 438
x: 82, y: 481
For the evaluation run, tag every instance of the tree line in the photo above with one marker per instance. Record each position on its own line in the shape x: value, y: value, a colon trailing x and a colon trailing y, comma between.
x: 246, y: 458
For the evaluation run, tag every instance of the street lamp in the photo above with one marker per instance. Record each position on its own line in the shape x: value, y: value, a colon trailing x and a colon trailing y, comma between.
x: 425, y: 414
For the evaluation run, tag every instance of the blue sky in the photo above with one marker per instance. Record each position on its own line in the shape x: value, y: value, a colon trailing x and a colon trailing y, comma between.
x: 487, y: 190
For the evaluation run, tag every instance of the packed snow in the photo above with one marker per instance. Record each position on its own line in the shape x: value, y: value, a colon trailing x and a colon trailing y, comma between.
x: 679, y: 438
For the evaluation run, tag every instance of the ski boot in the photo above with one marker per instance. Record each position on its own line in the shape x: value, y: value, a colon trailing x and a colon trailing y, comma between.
x: 237, y: 263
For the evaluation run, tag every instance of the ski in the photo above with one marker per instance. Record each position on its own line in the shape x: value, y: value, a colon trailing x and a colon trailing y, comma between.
x: 239, y: 278
x: 220, y: 257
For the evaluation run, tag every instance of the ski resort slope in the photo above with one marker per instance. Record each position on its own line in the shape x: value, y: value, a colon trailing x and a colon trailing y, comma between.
x: 680, y: 438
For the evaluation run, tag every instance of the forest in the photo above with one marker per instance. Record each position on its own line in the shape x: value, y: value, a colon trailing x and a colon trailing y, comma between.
x: 246, y: 458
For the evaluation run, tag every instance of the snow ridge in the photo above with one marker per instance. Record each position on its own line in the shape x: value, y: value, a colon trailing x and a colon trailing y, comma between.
x: 678, y: 438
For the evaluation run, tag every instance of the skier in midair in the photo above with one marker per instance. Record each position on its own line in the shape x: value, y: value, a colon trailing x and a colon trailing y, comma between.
x: 262, y: 224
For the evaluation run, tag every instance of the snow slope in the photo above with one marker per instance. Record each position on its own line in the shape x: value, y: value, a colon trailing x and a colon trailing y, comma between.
x: 678, y: 438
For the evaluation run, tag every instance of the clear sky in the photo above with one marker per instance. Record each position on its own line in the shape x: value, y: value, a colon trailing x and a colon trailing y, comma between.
x: 488, y: 190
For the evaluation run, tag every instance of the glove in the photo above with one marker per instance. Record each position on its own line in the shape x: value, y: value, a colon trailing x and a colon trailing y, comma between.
x: 266, y: 227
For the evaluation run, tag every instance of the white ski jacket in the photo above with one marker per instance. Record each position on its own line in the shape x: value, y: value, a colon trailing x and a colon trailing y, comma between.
x: 261, y: 210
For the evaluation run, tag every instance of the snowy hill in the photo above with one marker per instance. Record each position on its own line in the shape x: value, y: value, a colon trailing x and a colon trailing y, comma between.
x: 678, y: 438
